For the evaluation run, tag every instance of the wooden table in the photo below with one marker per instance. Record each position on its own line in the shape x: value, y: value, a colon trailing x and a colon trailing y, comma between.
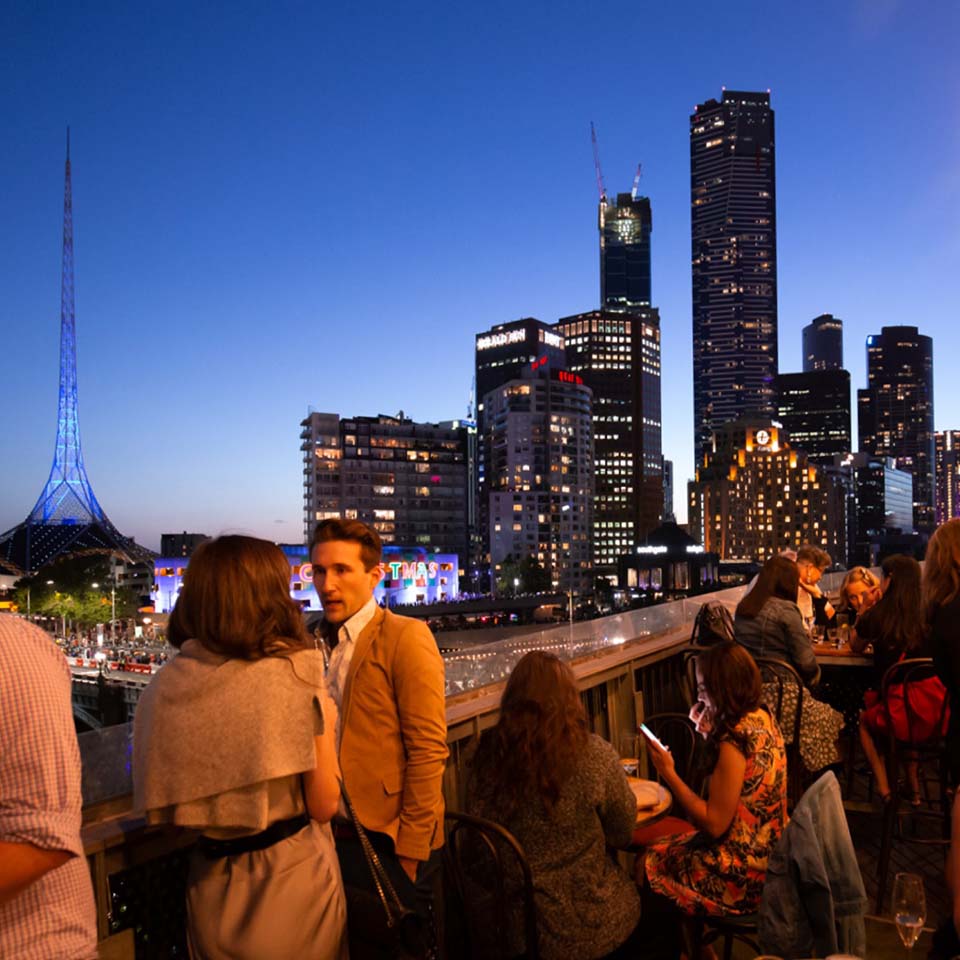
x: 653, y: 800
x: 829, y: 655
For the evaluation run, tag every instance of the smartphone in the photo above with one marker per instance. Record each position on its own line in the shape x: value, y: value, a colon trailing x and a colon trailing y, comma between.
x: 650, y: 735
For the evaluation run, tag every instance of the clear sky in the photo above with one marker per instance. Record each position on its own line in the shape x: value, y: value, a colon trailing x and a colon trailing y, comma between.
x: 281, y: 206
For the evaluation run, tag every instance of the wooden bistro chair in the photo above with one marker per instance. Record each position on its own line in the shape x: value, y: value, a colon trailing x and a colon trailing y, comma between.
x: 489, y: 892
x: 782, y: 687
x: 916, y: 730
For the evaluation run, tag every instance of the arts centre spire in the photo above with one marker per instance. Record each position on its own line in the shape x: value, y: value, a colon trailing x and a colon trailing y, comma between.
x: 67, y: 518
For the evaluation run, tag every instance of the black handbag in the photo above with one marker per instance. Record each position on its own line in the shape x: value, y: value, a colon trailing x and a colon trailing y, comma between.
x: 380, y: 924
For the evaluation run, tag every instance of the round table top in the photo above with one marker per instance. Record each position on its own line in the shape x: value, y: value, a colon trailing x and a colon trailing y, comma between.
x: 653, y: 800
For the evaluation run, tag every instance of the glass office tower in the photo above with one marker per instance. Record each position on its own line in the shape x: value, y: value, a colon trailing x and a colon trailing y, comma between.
x: 625, y: 228
x: 895, y: 411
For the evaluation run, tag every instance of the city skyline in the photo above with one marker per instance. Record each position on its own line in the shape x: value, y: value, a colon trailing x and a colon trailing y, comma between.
x: 235, y: 223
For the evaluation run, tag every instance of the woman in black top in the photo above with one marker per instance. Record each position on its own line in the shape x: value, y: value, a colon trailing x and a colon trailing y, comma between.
x: 894, y: 625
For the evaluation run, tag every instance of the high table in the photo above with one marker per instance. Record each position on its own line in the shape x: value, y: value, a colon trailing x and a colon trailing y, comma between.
x: 845, y: 676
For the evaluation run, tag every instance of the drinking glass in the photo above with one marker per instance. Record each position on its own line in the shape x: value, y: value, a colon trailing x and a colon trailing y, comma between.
x: 816, y: 633
x: 629, y: 753
x: 909, y: 907
x: 843, y: 628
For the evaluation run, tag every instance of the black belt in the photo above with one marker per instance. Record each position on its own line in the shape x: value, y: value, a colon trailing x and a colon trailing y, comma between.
x: 280, y: 830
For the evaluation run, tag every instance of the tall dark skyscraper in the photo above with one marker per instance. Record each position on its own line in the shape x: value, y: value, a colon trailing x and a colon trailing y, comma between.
x: 625, y: 228
x: 814, y: 408
x: 734, y: 260
x: 948, y: 474
x: 823, y: 343
x: 618, y: 356
x: 895, y: 411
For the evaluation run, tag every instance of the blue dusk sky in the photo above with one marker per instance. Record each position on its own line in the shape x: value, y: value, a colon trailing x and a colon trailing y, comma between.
x: 282, y: 206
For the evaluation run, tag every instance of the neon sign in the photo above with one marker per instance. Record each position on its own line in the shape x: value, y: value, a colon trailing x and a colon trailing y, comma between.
x: 564, y: 376
x: 416, y: 570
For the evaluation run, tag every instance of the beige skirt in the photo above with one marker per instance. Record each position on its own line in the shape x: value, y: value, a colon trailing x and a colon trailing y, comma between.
x: 285, y: 901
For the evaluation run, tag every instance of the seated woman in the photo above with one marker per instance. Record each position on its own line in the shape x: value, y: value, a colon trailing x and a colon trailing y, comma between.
x: 720, y: 869
x: 895, y: 627
x: 562, y: 793
x: 235, y: 738
x: 859, y: 592
x: 768, y: 624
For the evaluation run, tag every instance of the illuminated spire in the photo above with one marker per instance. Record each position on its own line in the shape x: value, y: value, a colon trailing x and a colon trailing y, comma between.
x: 67, y: 497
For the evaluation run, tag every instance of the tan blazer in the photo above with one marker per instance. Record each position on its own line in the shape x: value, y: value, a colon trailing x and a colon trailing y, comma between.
x: 393, y: 747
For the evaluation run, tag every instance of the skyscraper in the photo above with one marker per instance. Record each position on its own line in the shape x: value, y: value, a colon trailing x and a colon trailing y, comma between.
x: 618, y: 356
x: 823, y: 343
x: 538, y: 447
x: 625, y: 228
x: 756, y: 496
x: 734, y: 261
x: 948, y: 474
x: 814, y: 408
x: 502, y: 354
x: 895, y: 410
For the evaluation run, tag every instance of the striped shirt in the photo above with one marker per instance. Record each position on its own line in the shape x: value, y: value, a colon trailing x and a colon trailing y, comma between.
x: 40, y: 802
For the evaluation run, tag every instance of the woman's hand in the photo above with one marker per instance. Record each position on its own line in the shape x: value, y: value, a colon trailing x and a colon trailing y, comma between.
x: 661, y: 759
x: 702, y: 717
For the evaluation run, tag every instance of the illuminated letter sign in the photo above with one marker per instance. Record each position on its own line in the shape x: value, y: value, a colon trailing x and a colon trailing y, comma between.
x: 501, y: 339
x: 551, y: 339
x: 564, y: 376
x: 394, y: 566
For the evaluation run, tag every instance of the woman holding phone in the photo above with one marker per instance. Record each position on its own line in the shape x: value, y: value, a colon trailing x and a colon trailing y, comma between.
x: 720, y: 869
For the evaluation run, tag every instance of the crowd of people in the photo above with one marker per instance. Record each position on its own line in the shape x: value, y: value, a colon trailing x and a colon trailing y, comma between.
x: 308, y: 760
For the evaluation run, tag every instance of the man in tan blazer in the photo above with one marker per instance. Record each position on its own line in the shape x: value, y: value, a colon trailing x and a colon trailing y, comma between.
x: 386, y: 675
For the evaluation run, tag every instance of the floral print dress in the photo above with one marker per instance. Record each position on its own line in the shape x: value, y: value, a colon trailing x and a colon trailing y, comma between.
x: 725, y: 876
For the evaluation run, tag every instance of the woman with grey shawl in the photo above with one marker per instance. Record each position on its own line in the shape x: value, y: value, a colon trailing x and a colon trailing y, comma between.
x: 234, y: 738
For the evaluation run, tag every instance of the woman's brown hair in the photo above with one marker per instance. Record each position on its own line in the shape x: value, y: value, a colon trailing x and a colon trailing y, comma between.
x: 941, y: 569
x: 531, y: 752
x: 236, y: 600
x: 731, y: 678
x: 895, y: 621
x: 779, y: 577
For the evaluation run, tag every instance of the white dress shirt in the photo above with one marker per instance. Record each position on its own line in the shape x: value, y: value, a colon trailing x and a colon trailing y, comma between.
x: 339, y: 665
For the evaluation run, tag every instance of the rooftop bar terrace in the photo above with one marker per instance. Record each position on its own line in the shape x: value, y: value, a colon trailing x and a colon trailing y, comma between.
x: 628, y: 667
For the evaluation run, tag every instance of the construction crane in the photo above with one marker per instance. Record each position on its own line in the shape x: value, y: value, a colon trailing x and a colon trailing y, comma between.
x: 602, y: 190
x: 636, y: 182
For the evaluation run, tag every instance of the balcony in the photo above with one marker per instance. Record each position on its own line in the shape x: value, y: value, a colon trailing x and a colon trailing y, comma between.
x: 628, y: 666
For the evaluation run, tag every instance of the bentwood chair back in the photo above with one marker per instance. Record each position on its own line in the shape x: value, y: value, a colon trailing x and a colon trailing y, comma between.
x: 491, y: 913
x: 783, y: 695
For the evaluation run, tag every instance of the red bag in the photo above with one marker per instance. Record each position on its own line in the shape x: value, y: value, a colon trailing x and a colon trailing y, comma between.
x: 928, y: 716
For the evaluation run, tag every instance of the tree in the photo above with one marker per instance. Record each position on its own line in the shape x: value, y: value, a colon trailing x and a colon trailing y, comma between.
x: 525, y: 575
x: 64, y: 589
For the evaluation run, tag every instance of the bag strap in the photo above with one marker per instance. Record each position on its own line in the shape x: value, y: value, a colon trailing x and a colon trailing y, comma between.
x: 392, y: 904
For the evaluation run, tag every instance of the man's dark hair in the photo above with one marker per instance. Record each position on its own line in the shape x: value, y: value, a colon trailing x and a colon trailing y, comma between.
x: 353, y: 531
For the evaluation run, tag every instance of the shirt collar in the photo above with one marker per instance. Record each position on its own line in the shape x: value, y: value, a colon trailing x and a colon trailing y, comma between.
x: 351, y: 628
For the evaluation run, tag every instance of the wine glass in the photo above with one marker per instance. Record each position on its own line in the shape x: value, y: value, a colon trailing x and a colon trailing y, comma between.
x: 909, y: 907
x: 629, y: 753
